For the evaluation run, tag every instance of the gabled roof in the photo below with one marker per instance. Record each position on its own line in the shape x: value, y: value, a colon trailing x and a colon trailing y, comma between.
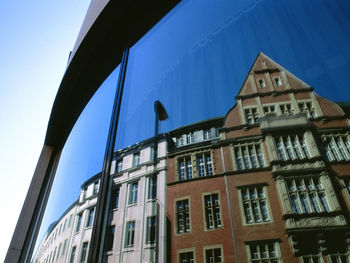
x: 264, y: 64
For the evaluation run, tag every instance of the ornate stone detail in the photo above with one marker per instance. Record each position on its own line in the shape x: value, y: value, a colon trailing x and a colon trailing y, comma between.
x: 298, y: 166
x: 315, y: 222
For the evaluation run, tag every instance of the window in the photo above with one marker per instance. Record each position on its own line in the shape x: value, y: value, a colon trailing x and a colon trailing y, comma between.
x: 249, y: 156
x: 108, y: 245
x: 179, y: 141
x: 207, y: 134
x: 292, y: 147
x: 251, y: 116
x: 115, y: 198
x: 78, y: 222
x: 119, y: 166
x: 255, y: 204
x: 72, y: 255
x: 270, y: 109
x: 213, y: 255
x: 264, y: 251
x: 64, y: 247
x: 307, y: 108
x: 212, y: 211
x: 277, y: 81
x: 311, y: 258
x: 90, y: 217
x: 130, y: 234
x: 185, y: 168
x: 307, y: 195
x: 190, y: 138
x: 338, y: 257
x: 84, y: 193
x: 58, y: 251
x: 133, y: 193
x: 70, y: 220
x: 182, y: 216
x: 186, y: 257
x: 151, y: 229
x: 286, y: 109
x: 262, y: 83
x: 136, y: 159
x: 204, y: 165
x: 152, y: 187
x: 83, y: 252
x: 336, y: 148
x: 96, y: 187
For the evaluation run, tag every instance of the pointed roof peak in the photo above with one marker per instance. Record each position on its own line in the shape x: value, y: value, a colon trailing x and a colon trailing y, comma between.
x: 264, y: 64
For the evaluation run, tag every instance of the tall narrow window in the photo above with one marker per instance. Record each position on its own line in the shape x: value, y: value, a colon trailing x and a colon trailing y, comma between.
x: 213, y: 255
x: 83, y: 252
x: 190, y: 138
x: 115, y: 198
x: 207, y: 134
x: 307, y: 195
x: 185, y: 168
x: 262, y: 83
x: 278, y: 81
x: 136, y: 159
x: 182, y: 216
x: 255, y: 205
x: 72, y: 255
x: 90, y: 218
x: 96, y: 187
x: 133, y: 193
x: 151, y: 229
x: 130, y: 234
x: 77, y: 228
x: 212, y: 211
x: 109, y: 238
x: 119, y: 166
x: 152, y: 187
x: 204, y: 165
x: 64, y: 247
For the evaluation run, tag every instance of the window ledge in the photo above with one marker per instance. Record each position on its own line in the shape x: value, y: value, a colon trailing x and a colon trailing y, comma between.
x: 258, y: 223
x: 128, y: 249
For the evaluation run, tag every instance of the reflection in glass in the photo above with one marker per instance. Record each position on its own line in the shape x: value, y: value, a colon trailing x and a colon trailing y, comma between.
x: 71, y: 206
x: 199, y: 61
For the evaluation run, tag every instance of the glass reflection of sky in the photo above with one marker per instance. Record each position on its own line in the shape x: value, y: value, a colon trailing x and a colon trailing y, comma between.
x: 83, y: 153
x: 196, y: 59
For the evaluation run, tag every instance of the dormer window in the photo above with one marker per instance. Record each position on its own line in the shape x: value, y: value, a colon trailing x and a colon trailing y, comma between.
x: 262, y: 83
x: 207, y: 134
x: 190, y: 138
x: 179, y: 141
x: 278, y: 81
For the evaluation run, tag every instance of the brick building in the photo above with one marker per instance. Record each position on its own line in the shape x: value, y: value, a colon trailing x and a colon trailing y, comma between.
x: 270, y: 185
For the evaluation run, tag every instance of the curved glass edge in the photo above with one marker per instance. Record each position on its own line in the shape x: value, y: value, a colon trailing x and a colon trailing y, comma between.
x: 70, y: 208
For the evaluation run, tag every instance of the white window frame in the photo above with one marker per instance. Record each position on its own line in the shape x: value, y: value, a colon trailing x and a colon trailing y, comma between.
x: 250, y: 203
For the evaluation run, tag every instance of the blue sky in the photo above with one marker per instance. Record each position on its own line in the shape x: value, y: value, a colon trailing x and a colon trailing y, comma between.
x: 36, y: 38
x: 194, y: 61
